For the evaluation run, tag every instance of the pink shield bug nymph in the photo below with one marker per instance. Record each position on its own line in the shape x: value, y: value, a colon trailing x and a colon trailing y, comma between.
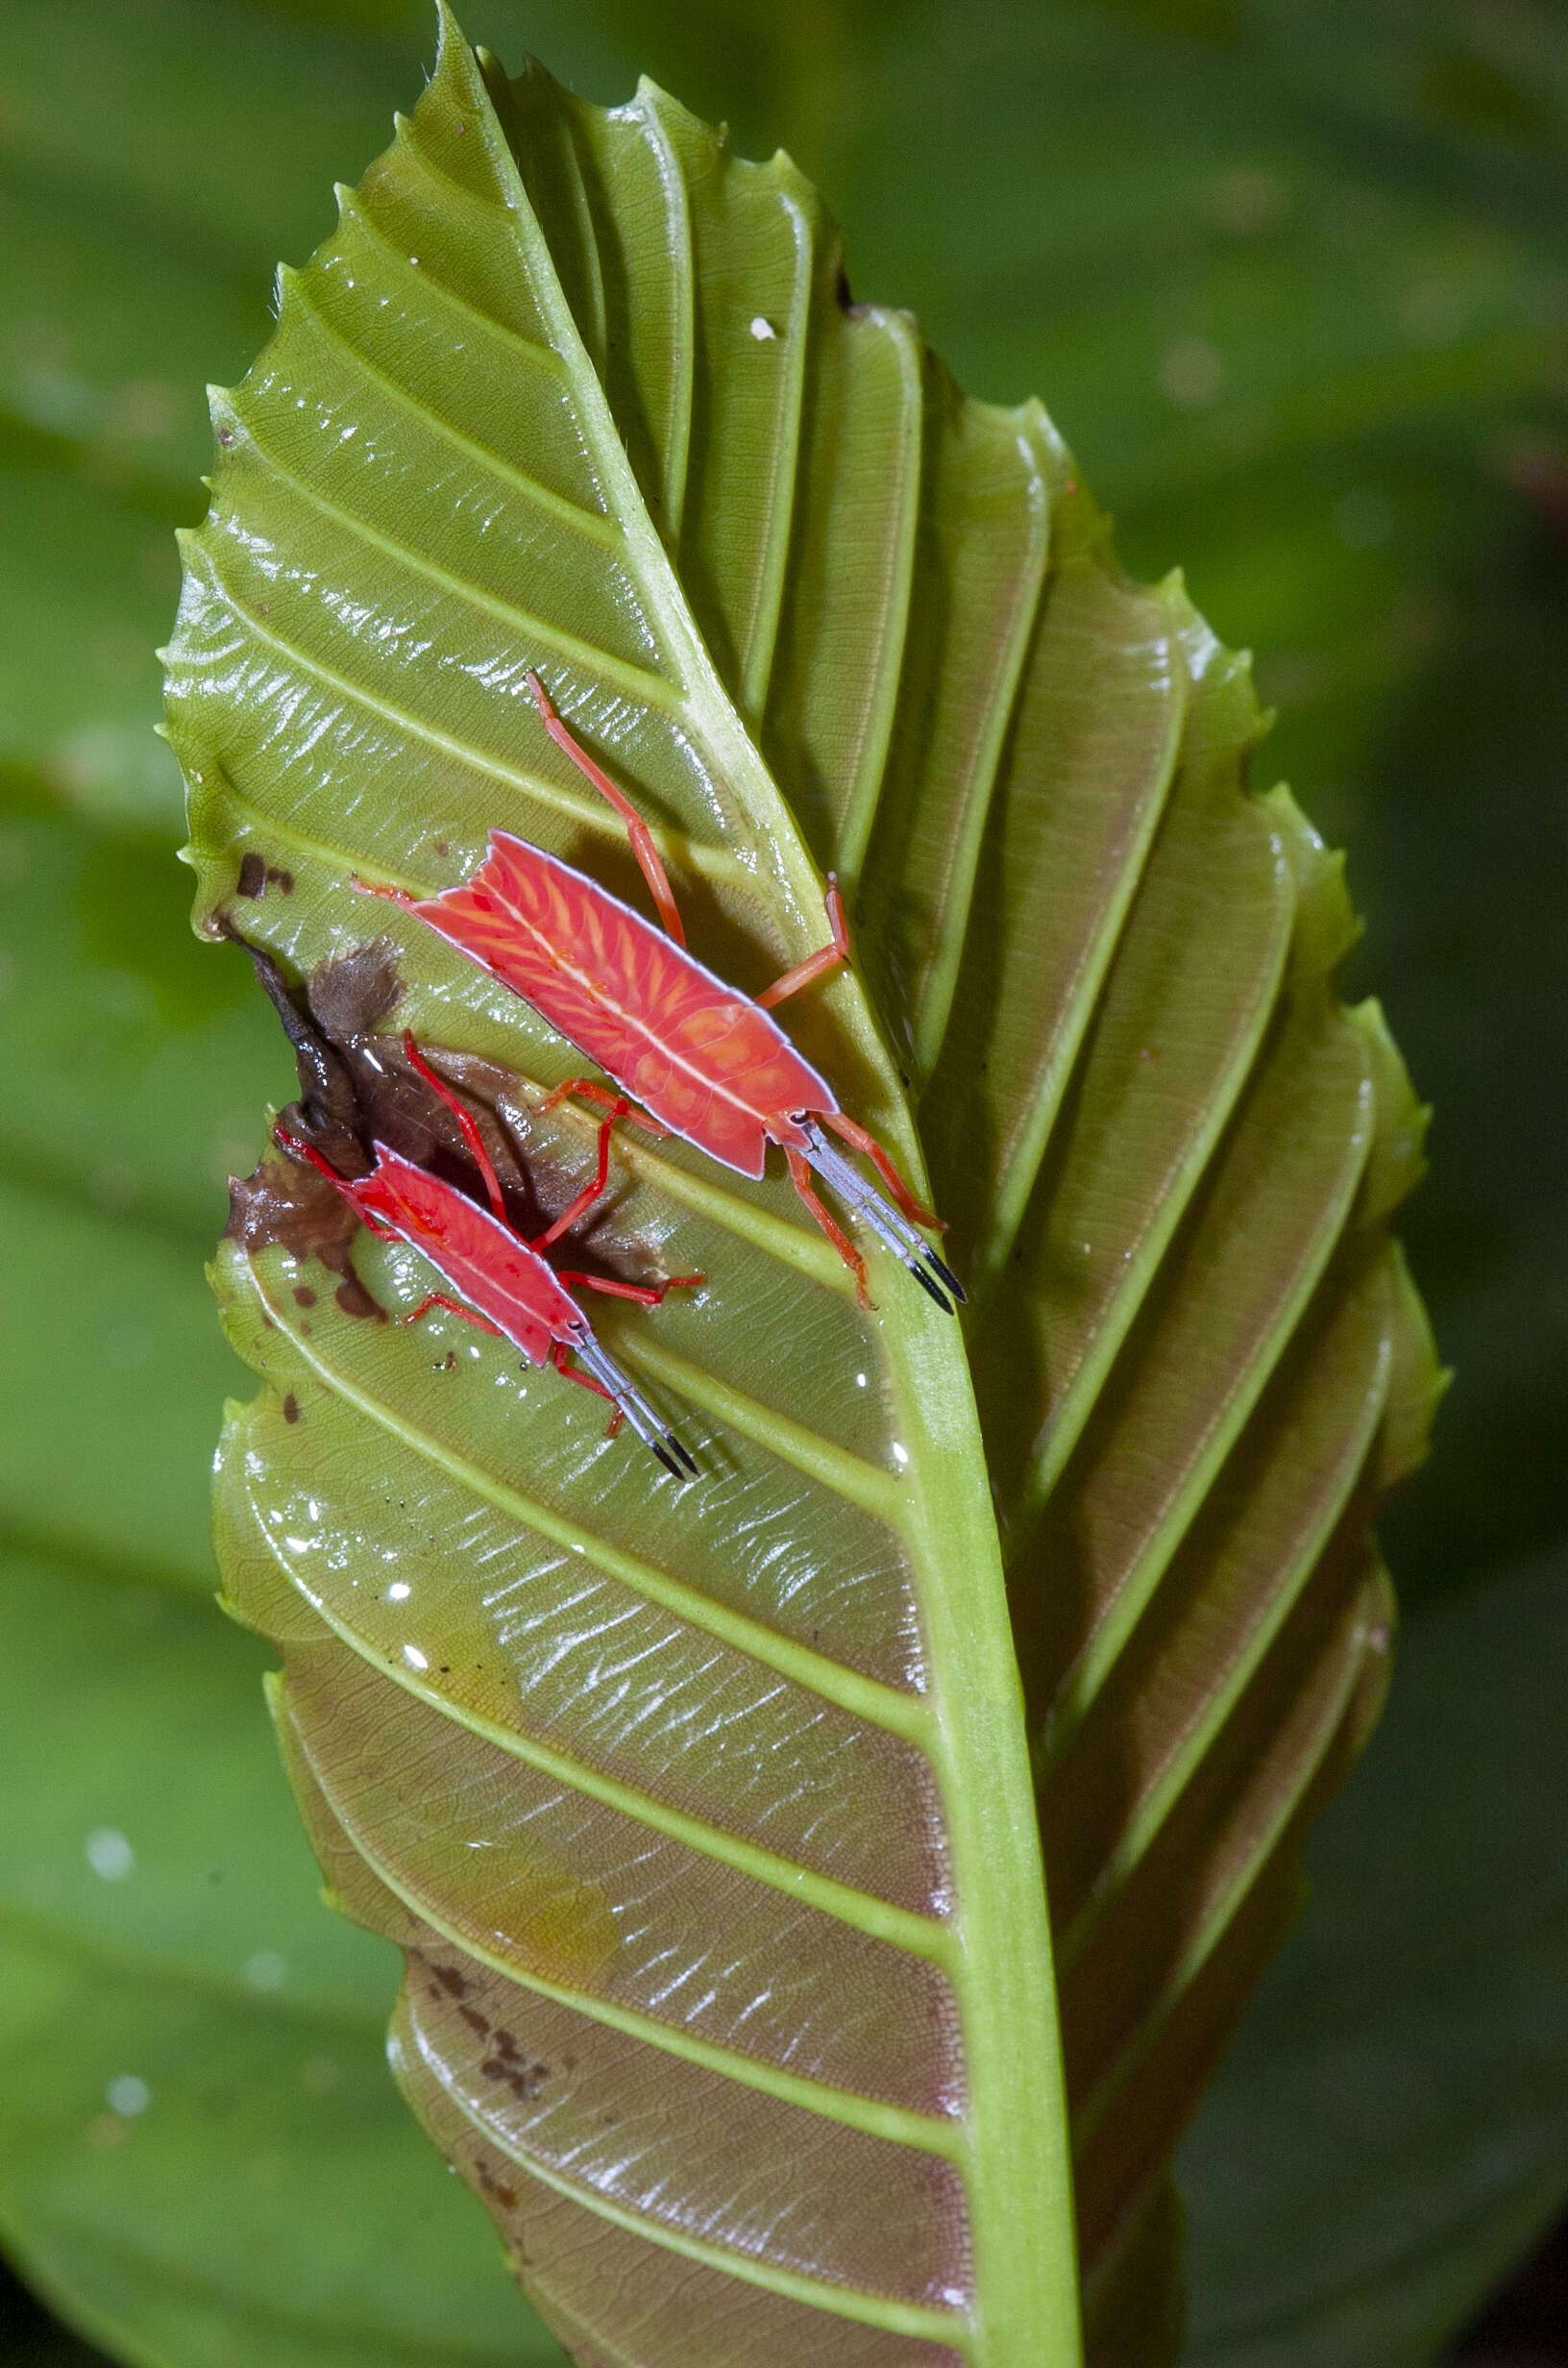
x: 707, y: 1061
x: 498, y: 1281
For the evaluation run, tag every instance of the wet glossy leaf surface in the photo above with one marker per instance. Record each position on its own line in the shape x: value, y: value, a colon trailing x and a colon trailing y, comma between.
x: 747, y: 1788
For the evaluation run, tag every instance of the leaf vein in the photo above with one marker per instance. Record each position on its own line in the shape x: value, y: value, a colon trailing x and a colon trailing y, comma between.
x: 844, y: 2302
x: 863, y: 1698
x: 873, y: 2115
x: 901, y: 1928
x: 648, y: 689
x: 569, y: 515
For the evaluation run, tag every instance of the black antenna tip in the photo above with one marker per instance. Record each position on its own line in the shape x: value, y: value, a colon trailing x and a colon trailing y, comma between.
x: 930, y: 1289
x: 684, y: 1453
x: 667, y: 1460
x: 942, y: 1268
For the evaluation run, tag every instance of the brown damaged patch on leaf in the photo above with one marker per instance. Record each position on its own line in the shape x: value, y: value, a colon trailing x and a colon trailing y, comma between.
x: 289, y: 1204
x: 257, y: 875
x: 357, y: 1089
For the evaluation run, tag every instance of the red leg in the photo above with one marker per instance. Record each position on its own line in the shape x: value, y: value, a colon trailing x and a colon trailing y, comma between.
x: 454, y: 1307
x: 815, y: 965
x: 801, y: 1178
x: 590, y: 1193
x: 465, y: 1120
x: 378, y: 888
x: 637, y: 830
x: 301, y: 1150
x: 589, y: 1088
x: 644, y: 1295
x: 558, y: 1354
x: 913, y: 1209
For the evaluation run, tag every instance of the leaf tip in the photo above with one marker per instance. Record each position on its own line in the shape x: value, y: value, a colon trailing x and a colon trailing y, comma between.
x: 448, y: 34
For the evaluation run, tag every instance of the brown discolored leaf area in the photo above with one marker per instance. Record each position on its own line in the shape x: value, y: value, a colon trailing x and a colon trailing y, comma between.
x: 710, y: 1819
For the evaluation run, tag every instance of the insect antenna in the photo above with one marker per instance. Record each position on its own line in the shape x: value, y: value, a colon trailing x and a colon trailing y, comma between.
x: 654, y: 1435
x: 894, y: 1231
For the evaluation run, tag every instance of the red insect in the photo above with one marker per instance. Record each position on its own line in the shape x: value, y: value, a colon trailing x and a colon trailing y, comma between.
x: 704, y: 1059
x: 506, y: 1287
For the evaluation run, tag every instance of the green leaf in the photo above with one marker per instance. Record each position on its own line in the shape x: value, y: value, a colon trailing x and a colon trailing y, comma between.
x: 831, y: 1588
x: 578, y: 391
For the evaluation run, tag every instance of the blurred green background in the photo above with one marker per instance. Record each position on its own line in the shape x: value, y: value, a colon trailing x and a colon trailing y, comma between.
x: 1293, y: 278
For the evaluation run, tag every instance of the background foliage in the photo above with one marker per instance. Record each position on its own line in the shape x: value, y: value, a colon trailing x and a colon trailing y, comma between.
x: 1294, y: 283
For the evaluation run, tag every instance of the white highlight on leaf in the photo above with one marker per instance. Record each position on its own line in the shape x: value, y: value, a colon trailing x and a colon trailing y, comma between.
x: 127, y: 2095
x: 109, y: 1854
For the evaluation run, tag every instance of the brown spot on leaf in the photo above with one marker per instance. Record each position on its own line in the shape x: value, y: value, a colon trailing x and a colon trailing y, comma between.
x: 291, y: 1408
x: 253, y: 877
x: 475, y: 2019
x: 304, y: 1295
x: 501, y: 2190
x: 524, y: 2080
x: 284, y: 880
x: 283, y: 1201
x: 354, y: 1299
